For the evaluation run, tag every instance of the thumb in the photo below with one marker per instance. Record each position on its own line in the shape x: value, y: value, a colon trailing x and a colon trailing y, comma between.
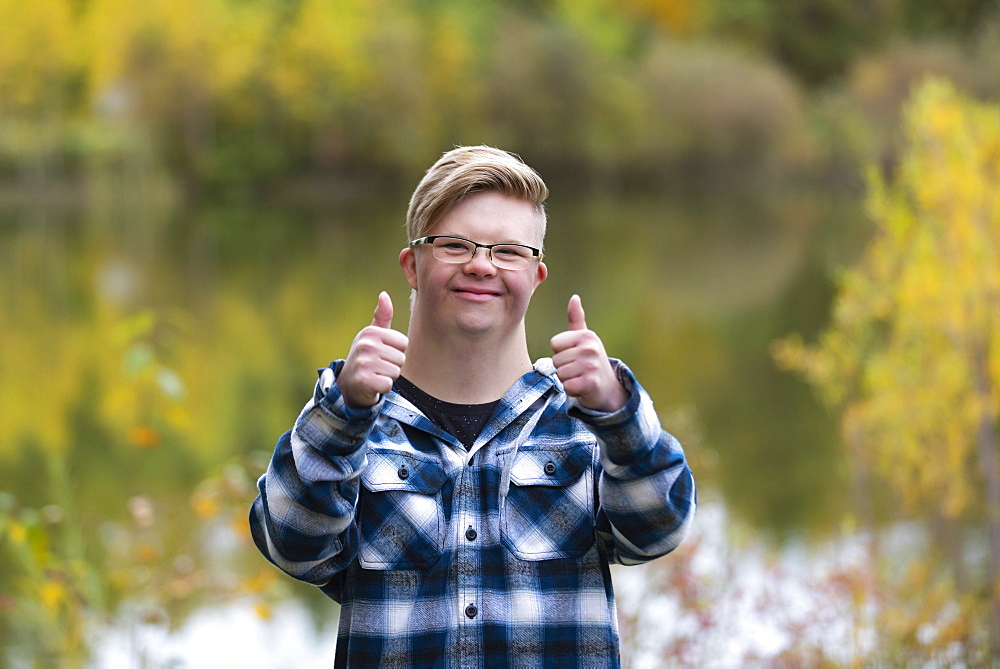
x: 574, y: 312
x: 383, y: 312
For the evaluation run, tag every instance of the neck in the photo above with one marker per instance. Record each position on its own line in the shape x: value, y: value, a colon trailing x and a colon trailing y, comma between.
x: 465, y: 369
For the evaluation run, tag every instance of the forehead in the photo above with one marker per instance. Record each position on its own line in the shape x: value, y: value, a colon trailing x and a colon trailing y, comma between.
x: 491, y: 218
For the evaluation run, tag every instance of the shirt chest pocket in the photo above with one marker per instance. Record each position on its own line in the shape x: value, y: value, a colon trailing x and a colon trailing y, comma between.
x: 548, y: 512
x: 400, y: 515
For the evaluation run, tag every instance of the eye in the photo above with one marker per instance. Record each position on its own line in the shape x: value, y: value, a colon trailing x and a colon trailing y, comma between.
x: 453, y: 246
x: 511, y: 251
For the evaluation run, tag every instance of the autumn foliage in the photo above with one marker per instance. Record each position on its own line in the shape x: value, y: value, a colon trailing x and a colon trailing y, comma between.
x: 911, y: 359
x: 160, y: 319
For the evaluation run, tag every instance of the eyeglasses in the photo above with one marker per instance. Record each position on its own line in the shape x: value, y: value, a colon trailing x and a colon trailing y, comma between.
x: 460, y: 250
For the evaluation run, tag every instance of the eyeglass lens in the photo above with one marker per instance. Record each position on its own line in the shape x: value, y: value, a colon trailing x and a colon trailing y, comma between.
x: 505, y: 256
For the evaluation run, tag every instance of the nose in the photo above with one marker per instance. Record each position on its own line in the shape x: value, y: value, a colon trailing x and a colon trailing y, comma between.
x: 480, y: 264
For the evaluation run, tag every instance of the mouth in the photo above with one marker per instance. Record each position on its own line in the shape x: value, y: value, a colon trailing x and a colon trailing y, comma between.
x: 475, y: 294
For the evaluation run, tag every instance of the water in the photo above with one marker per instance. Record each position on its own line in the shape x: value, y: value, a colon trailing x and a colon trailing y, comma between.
x: 167, y: 348
x: 227, y: 636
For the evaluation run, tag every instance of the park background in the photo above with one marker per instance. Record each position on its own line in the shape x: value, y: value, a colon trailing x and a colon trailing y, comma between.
x: 783, y: 214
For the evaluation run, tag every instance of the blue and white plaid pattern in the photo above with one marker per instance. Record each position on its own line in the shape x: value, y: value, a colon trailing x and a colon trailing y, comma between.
x: 495, y: 556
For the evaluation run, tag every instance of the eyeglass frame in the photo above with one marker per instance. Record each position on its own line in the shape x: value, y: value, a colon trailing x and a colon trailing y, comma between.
x: 535, y: 253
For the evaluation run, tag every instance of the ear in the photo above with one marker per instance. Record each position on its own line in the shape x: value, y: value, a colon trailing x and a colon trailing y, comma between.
x: 408, y: 261
x: 541, y: 274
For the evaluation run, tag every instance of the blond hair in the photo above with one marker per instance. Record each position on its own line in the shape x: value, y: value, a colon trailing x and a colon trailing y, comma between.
x: 467, y: 170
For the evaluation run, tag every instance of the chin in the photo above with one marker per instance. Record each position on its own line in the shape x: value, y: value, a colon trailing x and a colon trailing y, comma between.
x: 475, y: 326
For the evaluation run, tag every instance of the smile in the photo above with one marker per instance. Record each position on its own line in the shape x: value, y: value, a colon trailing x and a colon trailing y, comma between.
x: 477, y: 295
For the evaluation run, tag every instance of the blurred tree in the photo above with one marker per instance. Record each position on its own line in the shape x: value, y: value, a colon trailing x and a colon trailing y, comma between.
x: 961, y: 16
x: 36, y: 52
x: 819, y: 39
x: 815, y: 39
x: 228, y: 94
x: 912, y: 358
x: 38, y: 66
x: 682, y: 18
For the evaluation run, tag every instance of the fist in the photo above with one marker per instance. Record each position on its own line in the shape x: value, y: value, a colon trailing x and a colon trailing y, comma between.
x: 375, y: 360
x: 583, y: 365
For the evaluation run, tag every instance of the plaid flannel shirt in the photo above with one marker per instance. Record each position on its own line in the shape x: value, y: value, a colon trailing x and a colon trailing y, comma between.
x: 494, y: 556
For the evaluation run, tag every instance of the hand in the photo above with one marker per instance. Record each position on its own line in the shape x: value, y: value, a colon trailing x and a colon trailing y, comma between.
x: 375, y: 360
x: 583, y: 366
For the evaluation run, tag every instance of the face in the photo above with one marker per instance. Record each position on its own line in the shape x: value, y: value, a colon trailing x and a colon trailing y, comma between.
x: 475, y: 297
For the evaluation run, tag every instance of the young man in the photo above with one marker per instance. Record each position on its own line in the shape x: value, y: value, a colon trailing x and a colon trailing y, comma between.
x: 461, y: 503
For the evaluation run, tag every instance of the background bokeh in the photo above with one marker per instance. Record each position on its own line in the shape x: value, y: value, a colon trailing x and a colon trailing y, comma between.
x: 770, y: 208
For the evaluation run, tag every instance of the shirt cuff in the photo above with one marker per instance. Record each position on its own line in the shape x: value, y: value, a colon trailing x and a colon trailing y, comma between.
x: 606, y: 418
x: 328, y: 393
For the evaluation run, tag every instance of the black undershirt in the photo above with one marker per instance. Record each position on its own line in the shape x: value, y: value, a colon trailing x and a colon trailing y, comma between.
x: 463, y: 421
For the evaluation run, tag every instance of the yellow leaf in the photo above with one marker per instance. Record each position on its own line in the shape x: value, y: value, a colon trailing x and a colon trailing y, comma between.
x: 17, y: 532
x: 205, y: 504
x: 52, y: 594
x: 144, y: 436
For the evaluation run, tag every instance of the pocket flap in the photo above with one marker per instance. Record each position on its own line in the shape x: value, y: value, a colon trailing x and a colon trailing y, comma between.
x: 551, y: 466
x: 389, y: 469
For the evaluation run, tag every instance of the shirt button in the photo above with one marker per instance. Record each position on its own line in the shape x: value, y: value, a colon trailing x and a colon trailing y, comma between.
x: 550, y: 468
x: 471, y: 610
x: 403, y: 472
x: 471, y: 534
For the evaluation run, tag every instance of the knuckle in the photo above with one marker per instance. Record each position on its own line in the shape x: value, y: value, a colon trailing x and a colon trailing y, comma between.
x: 368, y: 348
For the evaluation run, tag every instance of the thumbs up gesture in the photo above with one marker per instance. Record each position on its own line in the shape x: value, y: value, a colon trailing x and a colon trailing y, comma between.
x: 375, y: 360
x: 583, y: 366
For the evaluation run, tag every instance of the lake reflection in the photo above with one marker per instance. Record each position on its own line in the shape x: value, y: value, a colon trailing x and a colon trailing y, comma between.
x: 155, y: 354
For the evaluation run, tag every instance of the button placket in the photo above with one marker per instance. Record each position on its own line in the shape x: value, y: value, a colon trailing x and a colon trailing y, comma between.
x: 467, y: 493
